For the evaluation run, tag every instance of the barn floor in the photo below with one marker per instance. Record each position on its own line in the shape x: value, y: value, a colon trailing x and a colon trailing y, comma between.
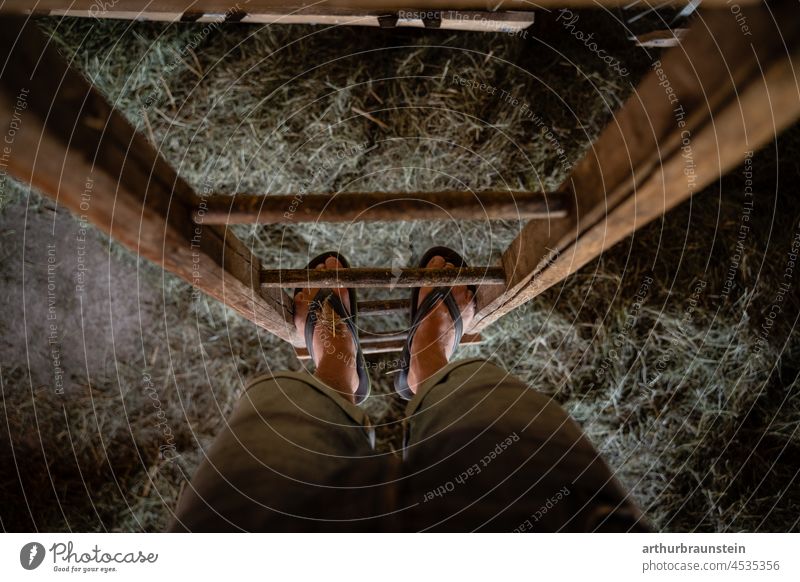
x: 664, y: 349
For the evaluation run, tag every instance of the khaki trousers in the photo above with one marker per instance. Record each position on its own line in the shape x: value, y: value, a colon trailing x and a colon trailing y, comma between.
x: 483, y: 451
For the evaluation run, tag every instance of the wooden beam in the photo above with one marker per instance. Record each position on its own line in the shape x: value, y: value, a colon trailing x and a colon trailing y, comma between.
x: 369, y: 337
x: 70, y: 144
x: 381, y: 277
x: 695, y: 116
x: 384, y: 307
x: 477, y: 16
x: 375, y: 206
x: 266, y: 12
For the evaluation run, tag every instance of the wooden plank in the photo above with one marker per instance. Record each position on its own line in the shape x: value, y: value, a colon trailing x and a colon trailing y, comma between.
x: 384, y: 307
x: 370, y: 337
x: 70, y: 144
x: 375, y: 206
x: 376, y: 346
x: 464, y: 20
x: 381, y: 277
x: 511, y: 22
x: 693, y: 118
x: 173, y: 10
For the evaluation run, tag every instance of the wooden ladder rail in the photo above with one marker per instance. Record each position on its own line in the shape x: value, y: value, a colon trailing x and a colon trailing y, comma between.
x: 69, y: 136
x: 696, y: 115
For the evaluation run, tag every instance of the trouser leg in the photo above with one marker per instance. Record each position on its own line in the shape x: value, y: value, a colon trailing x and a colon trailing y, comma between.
x: 486, y: 452
x: 294, y: 456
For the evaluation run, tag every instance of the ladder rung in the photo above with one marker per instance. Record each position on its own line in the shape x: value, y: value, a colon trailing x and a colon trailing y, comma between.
x: 382, y: 277
x: 372, y: 206
x: 372, y: 337
x: 378, y: 346
x: 383, y: 307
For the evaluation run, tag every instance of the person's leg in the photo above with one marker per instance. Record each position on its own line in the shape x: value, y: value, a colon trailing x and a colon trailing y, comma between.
x: 486, y: 452
x: 296, y: 455
x: 291, y: 458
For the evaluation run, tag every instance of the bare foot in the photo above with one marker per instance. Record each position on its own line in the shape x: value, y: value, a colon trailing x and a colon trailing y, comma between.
x: 333, y: 346
x: 432, y: 345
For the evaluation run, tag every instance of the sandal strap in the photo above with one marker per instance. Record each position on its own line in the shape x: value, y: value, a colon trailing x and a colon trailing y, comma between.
x: 314, y: 307
x: 329, y: 296
x: 437, y: 294
x: 420, y: 310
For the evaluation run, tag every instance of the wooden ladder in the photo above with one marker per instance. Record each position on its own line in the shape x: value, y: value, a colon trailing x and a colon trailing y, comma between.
x: 695, y: 115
